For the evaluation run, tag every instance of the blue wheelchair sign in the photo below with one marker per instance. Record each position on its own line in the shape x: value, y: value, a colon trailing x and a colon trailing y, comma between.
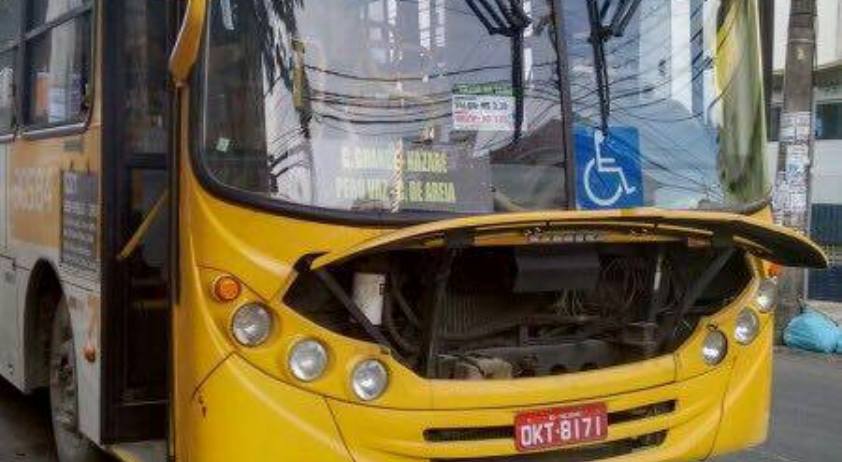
x: 608, y: 168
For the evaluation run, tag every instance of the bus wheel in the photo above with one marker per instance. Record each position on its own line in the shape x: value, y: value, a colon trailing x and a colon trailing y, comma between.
x: 71, y: 445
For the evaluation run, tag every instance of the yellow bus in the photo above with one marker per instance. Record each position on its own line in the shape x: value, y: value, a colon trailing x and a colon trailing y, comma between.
x: 389, y: 230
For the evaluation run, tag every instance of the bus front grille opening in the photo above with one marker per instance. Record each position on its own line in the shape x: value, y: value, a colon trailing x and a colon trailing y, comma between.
x: 580, y: 454
x: 491, y: 313
x: 445, y: 435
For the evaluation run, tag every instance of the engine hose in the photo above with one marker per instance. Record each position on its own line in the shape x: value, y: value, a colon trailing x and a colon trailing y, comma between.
x: 402, y: 303
x: 499, y: 327
x: 389, y: 324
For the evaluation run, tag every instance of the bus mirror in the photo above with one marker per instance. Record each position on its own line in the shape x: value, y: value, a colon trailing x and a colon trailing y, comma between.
x: 186, y: 49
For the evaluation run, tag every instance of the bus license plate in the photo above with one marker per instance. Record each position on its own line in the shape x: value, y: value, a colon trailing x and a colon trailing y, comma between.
x: 549, y: 428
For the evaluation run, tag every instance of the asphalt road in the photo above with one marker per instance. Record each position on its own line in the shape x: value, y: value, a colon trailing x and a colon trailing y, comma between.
x: 806, y: 412
x: 806, y: 422
x: 24, y: 426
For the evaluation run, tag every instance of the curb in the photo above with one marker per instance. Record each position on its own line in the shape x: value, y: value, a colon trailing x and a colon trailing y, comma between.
x: 830, y: 358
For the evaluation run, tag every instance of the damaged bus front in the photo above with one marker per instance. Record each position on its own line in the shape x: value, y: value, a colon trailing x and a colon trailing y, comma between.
x: 472, y: 230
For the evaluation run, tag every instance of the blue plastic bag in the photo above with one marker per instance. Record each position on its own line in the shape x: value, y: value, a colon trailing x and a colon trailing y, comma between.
x: 839, y: 342
x: 813, y: 331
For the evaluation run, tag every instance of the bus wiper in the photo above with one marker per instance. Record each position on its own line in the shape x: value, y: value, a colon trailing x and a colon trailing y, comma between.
x: 510, y: 21
x: 500, y: 19
x: 600, y: 35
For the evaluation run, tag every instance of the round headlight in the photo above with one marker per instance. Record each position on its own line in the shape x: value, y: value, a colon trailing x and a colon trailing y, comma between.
x: 251, y: 325
x: 369, y: 379
x: 747, y: 327
x: 308, y: 360
x: 715, y: 347
x: 767, y: 295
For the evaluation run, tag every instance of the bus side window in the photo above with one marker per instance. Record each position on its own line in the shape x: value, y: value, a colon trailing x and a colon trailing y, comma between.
x: 7, y: 99
x: 58, y: 62
x: 9, y: 36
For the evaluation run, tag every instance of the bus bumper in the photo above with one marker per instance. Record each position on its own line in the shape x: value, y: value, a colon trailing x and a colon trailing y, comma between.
x: 747, y: 404
x: 240, y: 413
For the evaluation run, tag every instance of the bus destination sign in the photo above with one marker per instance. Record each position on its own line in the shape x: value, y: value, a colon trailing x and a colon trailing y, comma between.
x: 407, y: 177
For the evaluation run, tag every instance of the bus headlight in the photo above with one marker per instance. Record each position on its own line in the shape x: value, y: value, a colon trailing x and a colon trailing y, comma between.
x: 308, y: 360
x: 767, y: 295
x: 251, y: 324
x: 747, y: 327
x: 369, y: 379
x: 715, y: 347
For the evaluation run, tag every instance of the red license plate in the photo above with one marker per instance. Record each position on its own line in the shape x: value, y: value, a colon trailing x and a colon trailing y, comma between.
x: 548, y: 428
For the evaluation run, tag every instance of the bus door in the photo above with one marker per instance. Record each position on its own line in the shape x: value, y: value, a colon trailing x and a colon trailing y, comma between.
x: 136, y: 157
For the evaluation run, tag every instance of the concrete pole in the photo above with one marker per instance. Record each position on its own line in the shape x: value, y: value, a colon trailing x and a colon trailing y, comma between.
x: 791, y: 199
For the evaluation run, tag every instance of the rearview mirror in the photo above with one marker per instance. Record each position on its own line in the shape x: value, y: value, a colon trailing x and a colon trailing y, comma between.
x: 186, y: 49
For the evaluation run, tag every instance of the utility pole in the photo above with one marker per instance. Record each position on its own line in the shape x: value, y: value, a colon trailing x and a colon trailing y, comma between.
x: 791, y: 198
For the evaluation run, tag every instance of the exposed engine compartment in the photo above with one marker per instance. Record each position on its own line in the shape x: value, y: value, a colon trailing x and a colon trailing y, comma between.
x: 523, y: 311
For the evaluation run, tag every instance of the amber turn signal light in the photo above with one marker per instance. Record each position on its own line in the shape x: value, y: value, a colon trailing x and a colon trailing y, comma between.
x: 226, y: 288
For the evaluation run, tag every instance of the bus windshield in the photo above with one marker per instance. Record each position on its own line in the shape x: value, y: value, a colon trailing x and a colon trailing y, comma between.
x: 480, y: 106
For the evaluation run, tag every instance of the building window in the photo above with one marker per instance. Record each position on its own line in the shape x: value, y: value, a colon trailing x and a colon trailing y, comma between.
x: 834, y: 254
x: 774, y: 123
x: 9, y: 38
x: 829, y: 121
x: 58, y: 61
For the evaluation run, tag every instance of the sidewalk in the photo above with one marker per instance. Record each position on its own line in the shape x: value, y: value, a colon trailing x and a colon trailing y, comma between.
x: 831, y: 309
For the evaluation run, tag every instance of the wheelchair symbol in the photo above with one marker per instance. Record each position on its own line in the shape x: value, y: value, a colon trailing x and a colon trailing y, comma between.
x: 606, y: 167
